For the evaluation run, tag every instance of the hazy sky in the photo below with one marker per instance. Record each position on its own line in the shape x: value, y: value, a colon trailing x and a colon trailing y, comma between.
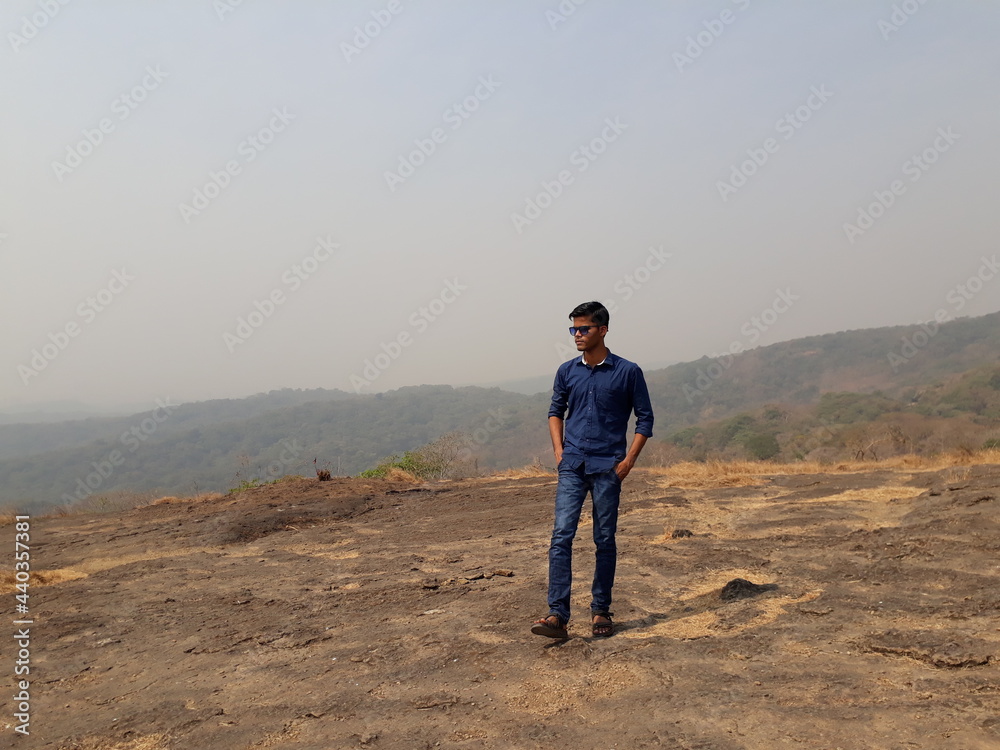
x: 456, y: 177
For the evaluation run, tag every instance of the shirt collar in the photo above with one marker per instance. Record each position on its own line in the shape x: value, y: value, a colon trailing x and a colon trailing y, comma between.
x: 607, y: 359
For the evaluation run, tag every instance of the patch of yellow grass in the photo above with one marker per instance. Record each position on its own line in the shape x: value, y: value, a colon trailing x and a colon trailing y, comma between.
x: 89, y: 566
x: 875, y: 494
x: 395, y: 474
x: 693, y: 474
x: 708, y: 474
x: 149, y: 742
x: 524, y: 472
x: 8, y: 578
x: 706, y: 607
x: 204, y: 497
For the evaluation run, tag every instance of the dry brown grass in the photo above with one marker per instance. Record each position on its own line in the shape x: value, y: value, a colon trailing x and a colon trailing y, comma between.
x: 204, y: 497
x: 694, y: 475
x: 709, y: 474
x: 395, y: 474
x: 38, y: 578
x: 524, y: 472
x: 149, y: 742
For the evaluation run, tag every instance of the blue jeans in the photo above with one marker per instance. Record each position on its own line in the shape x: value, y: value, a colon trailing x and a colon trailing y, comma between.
x: 605, y: 490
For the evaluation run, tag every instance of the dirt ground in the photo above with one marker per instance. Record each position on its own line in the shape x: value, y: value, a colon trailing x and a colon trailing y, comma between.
x: 367, y: 613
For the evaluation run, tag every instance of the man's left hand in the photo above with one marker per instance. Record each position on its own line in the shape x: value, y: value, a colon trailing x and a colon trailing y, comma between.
x: 622, y: 468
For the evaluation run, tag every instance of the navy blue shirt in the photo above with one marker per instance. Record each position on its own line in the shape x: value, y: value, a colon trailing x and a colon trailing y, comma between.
x: 600, y: 401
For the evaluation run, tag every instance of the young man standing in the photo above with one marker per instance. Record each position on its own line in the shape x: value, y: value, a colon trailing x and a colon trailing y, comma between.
x: 600, y: 391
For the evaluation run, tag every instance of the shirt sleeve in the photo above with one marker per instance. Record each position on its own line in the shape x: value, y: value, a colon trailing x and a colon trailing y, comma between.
x: 641, y: 404
x: 560, y: 396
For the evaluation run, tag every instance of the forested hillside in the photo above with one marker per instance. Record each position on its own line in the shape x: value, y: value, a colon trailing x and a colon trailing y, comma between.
x: 346, y: 435
x: 961, y: 413
x: 867, y: 393
x: 168, y: 417
x: 797, y: 372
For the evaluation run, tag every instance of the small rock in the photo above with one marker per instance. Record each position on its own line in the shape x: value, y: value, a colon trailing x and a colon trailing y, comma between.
x: 812, y: 610
x: 681, y: 533
x: 741, y: 588
x: 431, y: 583
x: 503, y: 572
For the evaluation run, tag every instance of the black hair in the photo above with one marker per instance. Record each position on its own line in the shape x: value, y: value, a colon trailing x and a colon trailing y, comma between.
x: 593, y: 310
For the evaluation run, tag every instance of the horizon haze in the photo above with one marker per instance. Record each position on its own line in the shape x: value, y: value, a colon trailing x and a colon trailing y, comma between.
x: 215, y: 199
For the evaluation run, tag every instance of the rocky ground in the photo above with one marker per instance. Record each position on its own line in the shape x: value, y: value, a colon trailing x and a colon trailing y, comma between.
x: 367, y: 613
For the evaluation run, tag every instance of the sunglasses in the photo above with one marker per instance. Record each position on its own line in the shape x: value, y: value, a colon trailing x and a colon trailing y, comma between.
x: 582, y: 330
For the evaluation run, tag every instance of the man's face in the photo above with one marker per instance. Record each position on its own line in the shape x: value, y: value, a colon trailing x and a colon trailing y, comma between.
x: 592, y: 339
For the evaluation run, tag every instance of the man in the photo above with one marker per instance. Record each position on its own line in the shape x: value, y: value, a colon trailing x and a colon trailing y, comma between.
x: 600, y: 391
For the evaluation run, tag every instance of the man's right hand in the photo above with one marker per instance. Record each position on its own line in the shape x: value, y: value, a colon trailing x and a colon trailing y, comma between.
x: 559, y: 455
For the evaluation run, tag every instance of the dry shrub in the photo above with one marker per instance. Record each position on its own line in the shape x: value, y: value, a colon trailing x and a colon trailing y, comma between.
x: 534, y: 469
x: 204, y: 497
x: 395, y: 474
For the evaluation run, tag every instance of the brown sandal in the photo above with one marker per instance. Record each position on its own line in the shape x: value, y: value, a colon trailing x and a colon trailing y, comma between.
x: 603, y: 626
x: 551, y: 626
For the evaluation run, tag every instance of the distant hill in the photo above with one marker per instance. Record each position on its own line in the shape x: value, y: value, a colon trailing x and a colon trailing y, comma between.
x: 196, y: 449
x: 958, y: 413
x: 778, y: 400
x: 55, y: 411
x: 28, y: 439
x: 893, y: 360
